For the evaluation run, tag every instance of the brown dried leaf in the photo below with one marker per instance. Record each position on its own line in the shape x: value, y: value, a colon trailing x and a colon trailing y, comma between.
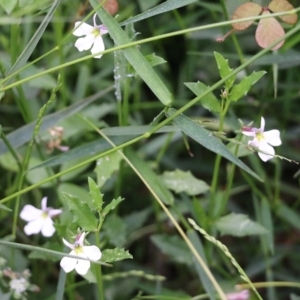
x: 283, y: 5
x: 268, y: 31
x: 111, y: 6
x: 245, y: 10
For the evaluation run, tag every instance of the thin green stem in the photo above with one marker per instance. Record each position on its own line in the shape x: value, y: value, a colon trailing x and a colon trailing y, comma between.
x: 98, y: 271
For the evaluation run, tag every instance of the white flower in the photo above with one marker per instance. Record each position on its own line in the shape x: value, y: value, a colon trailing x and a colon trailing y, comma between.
x: 92, y: 37
x: 263, y: 140
x: 39, y: 220
x: 242, y: 295
x: 81, y: 266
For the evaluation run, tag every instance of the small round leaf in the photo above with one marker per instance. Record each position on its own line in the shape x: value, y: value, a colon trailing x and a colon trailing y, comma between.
x: 283, y: 5
x: 245, y: 10
x: 268, y: 31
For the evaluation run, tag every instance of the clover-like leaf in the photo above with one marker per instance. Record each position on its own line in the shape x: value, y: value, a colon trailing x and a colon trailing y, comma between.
x: 283, y: 5
x: 268, y: 31
x: 245, y: 10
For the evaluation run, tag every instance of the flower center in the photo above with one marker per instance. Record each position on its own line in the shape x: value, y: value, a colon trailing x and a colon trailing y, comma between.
x: 260, y: 136
x: 45, y: 214
x: 78, y: 249
x: 96, y: 32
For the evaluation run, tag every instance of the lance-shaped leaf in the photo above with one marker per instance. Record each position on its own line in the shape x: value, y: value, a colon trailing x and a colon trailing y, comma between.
x: 283, y: 5
x: 97, y: 197
x: 241, y: 89
x: 134, y: 56
x: 268, y: 31
x: 245, y: 10
x: 207, y: 140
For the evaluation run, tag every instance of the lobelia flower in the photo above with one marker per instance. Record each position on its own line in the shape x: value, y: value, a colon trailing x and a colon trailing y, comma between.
x: 92, y: 37
x: 242, y: 295
x: 81, y: 266
x: 263, y: 140
x: 39, y: 220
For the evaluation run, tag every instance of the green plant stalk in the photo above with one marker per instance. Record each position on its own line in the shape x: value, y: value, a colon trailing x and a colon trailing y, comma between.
x: 168, y: 213
x: 258, y: 285
x: 162, y: 36
x: 163, y: 123
x: 98, y: 271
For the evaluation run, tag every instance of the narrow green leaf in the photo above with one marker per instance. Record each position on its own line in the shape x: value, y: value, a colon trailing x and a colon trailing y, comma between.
x: 180, y: 181
x: 112, y: 205
x: 8, y: 5
x: 4, y: 207
x: 106, y: 166
x: 159, y: 9
x: 97, y: 197
x: 117, y: 254
x: 224, y: 70
x: 289, y: 215
x: 239, y: 225
x: 207, y: 140
x: 242, y: 88
x: 134, y: 56
x: 210, y: 101
x: 82, y: 214
x: 151, y: 178
x: 267, y: 222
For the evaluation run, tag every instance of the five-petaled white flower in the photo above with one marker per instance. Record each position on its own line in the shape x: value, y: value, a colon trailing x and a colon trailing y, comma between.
x: 92, y: 37
x: 39, y: 220
x: 263, y: 140
x: 81, y: 266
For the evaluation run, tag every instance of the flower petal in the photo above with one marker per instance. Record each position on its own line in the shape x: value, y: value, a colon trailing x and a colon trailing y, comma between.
x: 266, y: 148
x: 82, y: 28
x: 249, y: 133
x: 262, y: 124
x: 272, y: 137
x: 98, y: 46
x: 80, y: 239
x: 82, y: 266
x: 54, y: 212
x: 44, y: 204
x: 71, y: 246
x: 35, y: 226
x: 48, y: 228
x: 92, y: 252
x: 85, y: 43
x: 68, y: 264
x: 30, y: 213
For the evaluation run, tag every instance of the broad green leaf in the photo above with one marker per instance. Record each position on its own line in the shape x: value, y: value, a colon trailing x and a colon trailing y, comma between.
x: 112, y: 205
x: 24, y: 134
x: 8, y: 5
x: 180, y: 181
x: 75, y: 173
x: 106, y: 166
x: 82, y: 214
x: 97, y: 197
x: 289, y: 215
x: 224, y: 70
x: 241, y: 89
x: 117, y: 254
x: 151, y: 178
x: 207, y: 140
x: 134, y: 56
x: 136, y: 219
x: 115, y: 229
x: 239, y: 225
x: 248, y: 9
x: 210, y: 101
x: 174, y: 247
x: 159, y: 9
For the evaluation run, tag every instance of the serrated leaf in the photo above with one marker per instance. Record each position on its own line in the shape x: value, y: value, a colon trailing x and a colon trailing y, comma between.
x: 180, y: 181
x: 207, y: 140
x: 106, y: 166
x: 245, y: 10
x: 117, y: 254
x: 268, y: 31
x: 82, y: 214
x: 224, y: 69
x: 241, y: 89
x: 283, y: 5
x: 210, y: 101
x: 116, y: 230
x: 112, y: 205
x: 239, y: 225
x: 174, y: 247
x: 97, y: 197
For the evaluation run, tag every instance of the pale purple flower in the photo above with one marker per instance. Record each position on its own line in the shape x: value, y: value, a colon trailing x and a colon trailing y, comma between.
x: 39, y: 220
x: 81, y: 266
x: 242, y: 295
x: 92, y: 37
x: 263, y: 140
